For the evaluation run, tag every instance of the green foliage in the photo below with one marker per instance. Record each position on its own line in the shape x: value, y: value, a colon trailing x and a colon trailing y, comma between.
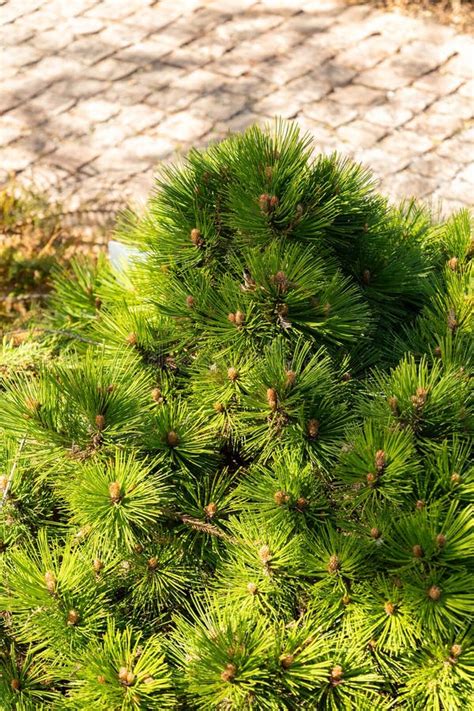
x: 236, y: 473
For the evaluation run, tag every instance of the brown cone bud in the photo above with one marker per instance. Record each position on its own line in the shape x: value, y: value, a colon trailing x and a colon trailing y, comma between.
x: 337, y: 673
x: 218, y: 407
x: 417, y: 551
x: 272, y: 398
x: 126, y: 677
x: 420, y: 505
x: 153, y: 563
x: 268, y: 172
x: 3, y: 482
x: 229, y: 672
x: 419, y: 399
x: 101, y: 679
x: 286, y: 660
x: 231, y: 317
x: 441, y: 540
x: 97, y: 565
x: 172, y: 438
x: 456, y: 650
x: 15, y: 684
x: 100, y: 422
x: 346, y: 599
x: 264, y: 203
x: 73, y: 617
x: 196, y: 237
x: 312, y: 428
x: 389, y: 608
x: 138, y: 548
x: 434, y: 592
x: 264, y: 554
x: 190, y: 301
x: 455, y: 478
x: 33, y: 405
x: 393, y: 404
x: 232, y: 374
x: 98, y: 303
x: 290, y: 377
x: 366, y: 277
x: 301, y: 503
x: 346, y: 377
x: 375, y: 533
x: 452, y: 263
x: 115, y: 492
x: 281, y: 281
x: 132, y: 339
x: 252, y: 588
x: 274, y: 202
x: 156, y: 395
x: 437, y: 351
x: 371, y: 479
x: 380, y: 462
x: 239, y: 318
x: 50, y: 580
x: 280, y: 497
x: 210, y: 510
x: 334, y: 564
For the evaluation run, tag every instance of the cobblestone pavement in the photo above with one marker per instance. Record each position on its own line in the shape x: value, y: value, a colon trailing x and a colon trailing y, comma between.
x: 95, y: 93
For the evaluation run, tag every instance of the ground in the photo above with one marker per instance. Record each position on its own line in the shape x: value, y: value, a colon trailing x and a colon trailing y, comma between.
x: 96, y: 93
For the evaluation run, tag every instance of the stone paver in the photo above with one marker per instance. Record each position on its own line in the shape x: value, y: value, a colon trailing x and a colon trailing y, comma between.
x: 96, y: 93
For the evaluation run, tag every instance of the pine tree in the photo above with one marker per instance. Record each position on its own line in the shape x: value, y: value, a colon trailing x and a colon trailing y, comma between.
x: 237, y: 472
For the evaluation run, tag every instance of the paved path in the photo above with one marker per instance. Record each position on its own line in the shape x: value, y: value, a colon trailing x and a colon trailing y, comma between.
x: 94, y: 93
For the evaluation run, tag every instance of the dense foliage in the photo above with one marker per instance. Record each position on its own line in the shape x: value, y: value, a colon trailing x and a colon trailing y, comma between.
x: 237, y: 472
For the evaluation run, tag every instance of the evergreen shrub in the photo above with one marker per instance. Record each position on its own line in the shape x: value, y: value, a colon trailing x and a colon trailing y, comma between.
x: 236, y: 473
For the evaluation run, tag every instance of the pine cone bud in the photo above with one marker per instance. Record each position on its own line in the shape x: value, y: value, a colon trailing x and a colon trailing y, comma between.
x: 252, y: 588
x: 126, y: 677
x: 152, y: 563
x: 274, y: 202
x: 346, y: 599
x: 337, y: 673
x: 437, y: 351
x: 334, y: 564
x: 455, y: 478
x: 312, y: 428
x: 50, y: 580
x: 286, y: 660
x: 301, y: 503
x: 229, y: 672
x: 3, y: 482
x: 97, y: 565
x: 290, y: 377
x: 452, y: 263
x: 98, y: 303
x: 375, y: 533
x: 15, y: 684
x: 101, y: 679
x: 389, y: 608
x: 281, y: 281
x: 172, y: 438
x: 156, y: 395
x: 346, y: 377
x: 420, y: 505
x: 190, y: 301
x: 393, y: 404
x: 196, y: 237
x: 268, y: 172
x: 231, y: 317
x: 272, y: 398
x: 264, y: 203
x: 210, y: 510
x: 132, y: 339
x: 100, y: 422
x: 452, y: 320
x: 366, y: 277
x: 264, y: 554
x: 419, y: 399
x: 115, y: 492
x: 434, y: 592
x: 232, y: 374
x: 73, y: 618
x: 417, y: 551
x: 239, y: 318
x: 138, y: 548
x: 441, y: 540
x: 218, y: 407
x: 380, y: 462
x: 371, y: 479
x: 280, y: 497
x: 33, y: 405
x: 456, y: 650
